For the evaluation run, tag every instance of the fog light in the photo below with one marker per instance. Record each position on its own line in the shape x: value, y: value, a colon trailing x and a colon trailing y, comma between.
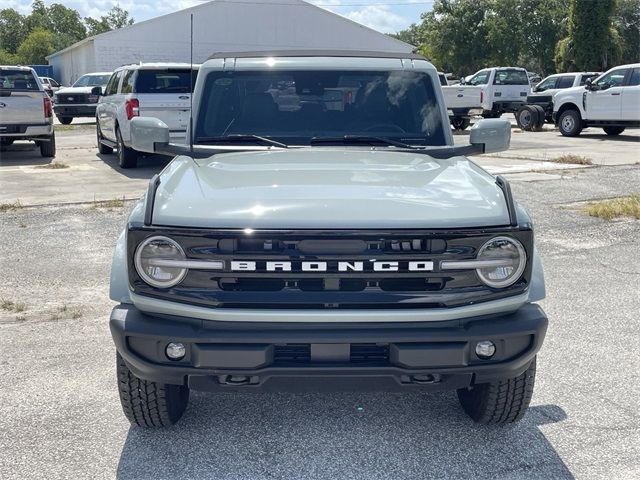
x: 485, y: 349
x: 175, y: 350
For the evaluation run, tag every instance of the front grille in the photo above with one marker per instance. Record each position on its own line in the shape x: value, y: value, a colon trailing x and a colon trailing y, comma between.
x: 300, y: 354
x: 333, y: 288
x: 72, y: 98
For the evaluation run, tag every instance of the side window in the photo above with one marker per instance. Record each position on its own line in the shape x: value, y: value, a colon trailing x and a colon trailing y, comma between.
x: 53, y: 82
x: 546, y: 84
x: 480, y: 78
x: 635, y: 78
x: 112, y: 85
x: 566, y: 82
x: 584, y: 78
x: 127, y: 83
x: 612, y: 79
x: 511, y: 77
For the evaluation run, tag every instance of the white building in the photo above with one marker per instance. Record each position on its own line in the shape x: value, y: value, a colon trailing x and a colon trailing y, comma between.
x: 219, y: 26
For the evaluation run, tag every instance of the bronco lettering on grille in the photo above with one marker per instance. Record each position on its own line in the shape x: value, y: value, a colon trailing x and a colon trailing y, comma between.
x: 336, y: 266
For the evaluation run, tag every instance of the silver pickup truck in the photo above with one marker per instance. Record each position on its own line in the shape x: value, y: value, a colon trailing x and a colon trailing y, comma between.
x: 324, y: 232
x: 25, y: 109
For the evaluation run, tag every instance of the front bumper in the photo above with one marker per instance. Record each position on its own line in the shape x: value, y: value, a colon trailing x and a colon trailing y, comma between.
x: 79, y: 110
x: 225, y: 356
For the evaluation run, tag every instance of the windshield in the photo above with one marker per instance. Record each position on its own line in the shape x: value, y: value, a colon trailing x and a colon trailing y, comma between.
x: 92, y: 81
x: 17, y: 80
x: 295, y: 106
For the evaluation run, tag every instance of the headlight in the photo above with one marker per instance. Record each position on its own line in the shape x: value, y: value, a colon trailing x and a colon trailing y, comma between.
x: 153, y: 259
x: 510, y: 261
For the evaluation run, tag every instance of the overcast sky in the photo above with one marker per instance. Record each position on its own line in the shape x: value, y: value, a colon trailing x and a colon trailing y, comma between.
x: 386, y: 16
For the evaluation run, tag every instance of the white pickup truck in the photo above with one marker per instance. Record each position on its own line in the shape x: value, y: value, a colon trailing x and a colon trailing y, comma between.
x: 490, y: 93
x: 25, y: 109
x: 611, y: 101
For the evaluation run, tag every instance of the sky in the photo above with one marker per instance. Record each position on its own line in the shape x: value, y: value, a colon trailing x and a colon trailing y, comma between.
x: 387, y: 16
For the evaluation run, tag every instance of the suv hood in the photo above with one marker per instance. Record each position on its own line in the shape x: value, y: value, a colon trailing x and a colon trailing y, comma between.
x: 327, y: 188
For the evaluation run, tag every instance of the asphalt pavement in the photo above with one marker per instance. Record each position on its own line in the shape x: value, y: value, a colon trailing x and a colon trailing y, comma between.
x: 60, y: 415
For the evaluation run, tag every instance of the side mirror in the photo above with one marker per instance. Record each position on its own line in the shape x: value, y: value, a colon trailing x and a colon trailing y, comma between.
x: 96, y: 91
x: 493, y: 133
x: 146, y: 132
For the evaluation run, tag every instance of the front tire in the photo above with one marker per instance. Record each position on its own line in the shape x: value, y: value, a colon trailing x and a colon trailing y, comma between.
x: 500, y: 402
x: 149, y: 404
x: 613, y: 131
x: 65, y: 120
x: 48, y: 148
x: 127, y: 157
x: 570, y: 123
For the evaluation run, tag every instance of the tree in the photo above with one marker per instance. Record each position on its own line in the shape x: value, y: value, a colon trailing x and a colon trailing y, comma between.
x: 627, y: 22
x: 66, y: 22
x: 592, y: 43
x: 13, y: 30
x: 38, y: 44
x: 114, y: 19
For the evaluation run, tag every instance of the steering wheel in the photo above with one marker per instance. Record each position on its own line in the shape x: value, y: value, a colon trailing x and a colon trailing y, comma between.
x: 382, y: 127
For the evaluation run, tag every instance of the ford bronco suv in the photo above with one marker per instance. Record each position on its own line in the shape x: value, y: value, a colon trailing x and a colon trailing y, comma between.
x: 319, y: 231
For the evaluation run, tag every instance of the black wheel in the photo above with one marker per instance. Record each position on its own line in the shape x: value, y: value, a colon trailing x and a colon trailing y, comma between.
x: 491, y: 114
x: 459, y: 123
x: 48, y: 148
x: 570, y: 123
x: 541, y: 117
x: 149, y: 404
x: 613, y: 131
x: 527, y: 117
x: 102, y: 148
x: 65, y: 120
x: 499, y: 402
x: 127, y: 157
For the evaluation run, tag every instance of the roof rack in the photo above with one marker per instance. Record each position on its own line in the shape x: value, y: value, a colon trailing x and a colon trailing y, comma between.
x: 317, y: 53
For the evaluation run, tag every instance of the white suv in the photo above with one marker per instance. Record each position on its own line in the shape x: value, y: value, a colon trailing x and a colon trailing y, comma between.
x: 611, y: 101
x: 160, y: 90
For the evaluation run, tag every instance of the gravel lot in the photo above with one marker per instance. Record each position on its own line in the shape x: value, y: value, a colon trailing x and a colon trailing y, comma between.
x: 60, y: 416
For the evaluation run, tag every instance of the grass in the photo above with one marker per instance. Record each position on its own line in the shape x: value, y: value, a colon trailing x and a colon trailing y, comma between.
x: 108, y: 204
x: 66, y: 312
x: 54, y: 166
x: 10, y: 207
x: 615, y: 208
x: 570, y: 158
x: 9, y: 306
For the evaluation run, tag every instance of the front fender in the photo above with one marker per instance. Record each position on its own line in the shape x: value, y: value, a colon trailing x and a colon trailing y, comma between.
x: 119, y: 284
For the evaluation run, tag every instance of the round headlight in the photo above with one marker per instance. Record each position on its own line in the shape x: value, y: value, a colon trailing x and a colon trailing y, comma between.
x: 153, y: 259
x: 510, y: 261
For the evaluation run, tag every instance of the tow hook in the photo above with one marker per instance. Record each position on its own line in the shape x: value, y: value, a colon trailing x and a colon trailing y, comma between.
x: 421, y: 379
x: 237, y: 380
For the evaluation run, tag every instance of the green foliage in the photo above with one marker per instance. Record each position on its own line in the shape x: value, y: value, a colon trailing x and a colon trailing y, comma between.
x: 12, y: 29
x: 28, y: 39
x: 592, y: 43
x: 627, y: 23
x: 114, y: 19
x: 38, y: 44
x: 462, y: 36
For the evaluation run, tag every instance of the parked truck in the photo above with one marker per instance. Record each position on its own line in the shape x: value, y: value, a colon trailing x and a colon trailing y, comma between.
x: 25, y: 109
x: 308, y: 242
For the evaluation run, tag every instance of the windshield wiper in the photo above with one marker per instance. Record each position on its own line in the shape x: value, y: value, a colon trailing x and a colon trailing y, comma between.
x: 240, y: 137
x: 366, y: 139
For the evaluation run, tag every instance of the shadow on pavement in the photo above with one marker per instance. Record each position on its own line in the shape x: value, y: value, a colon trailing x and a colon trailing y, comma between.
x: 22, y: 153
x: 148, y: 165
x: 341, y: 436
x: 602, y: 136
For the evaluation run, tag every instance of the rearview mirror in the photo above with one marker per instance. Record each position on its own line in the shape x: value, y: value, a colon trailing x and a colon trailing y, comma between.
x: 96, y: 91
x: 146, y: 132
x: 493, y: 133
